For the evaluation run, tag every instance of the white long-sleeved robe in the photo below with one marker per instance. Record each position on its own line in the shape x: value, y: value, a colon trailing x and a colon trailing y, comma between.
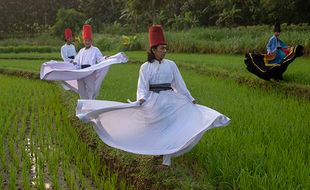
x: 167, y: 123
x: 89, y: 56
x: 155, y: 73
x: 68, y: 51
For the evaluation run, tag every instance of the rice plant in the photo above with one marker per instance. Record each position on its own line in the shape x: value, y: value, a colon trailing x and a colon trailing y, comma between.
x: 40, y: 143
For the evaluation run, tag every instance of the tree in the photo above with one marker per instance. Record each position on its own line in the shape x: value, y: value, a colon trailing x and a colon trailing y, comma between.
x: 102, y: 11
x: 68, y: 18
x: 28, y: 17
x: 143, y: 13
x: 252, y: 12
x: 283, y: 11
x: 228, y: 15
x: 302, y: 11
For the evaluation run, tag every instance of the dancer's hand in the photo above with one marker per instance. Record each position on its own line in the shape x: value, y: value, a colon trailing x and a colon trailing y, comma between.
x: 141, y: 101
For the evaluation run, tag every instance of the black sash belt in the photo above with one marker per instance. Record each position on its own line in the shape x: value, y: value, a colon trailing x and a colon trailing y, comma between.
x: 160, y: 87
x: 84, y: 66
x: 71, y: 57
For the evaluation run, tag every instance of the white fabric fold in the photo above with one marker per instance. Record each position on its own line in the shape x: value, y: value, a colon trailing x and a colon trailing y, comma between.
x: 72, y: 77
x: 166, y: 124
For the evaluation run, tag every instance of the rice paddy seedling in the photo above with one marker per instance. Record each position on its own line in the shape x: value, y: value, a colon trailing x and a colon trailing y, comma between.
x: 40, y: 144
x: 1, y: 178
x: 25, y: 175
x: 12, y: 179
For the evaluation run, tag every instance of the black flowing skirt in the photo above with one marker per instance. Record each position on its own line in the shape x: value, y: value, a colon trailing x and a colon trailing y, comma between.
x: 256, y: 64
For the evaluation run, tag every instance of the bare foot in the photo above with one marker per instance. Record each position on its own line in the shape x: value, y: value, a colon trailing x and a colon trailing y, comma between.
x: 162, y: 167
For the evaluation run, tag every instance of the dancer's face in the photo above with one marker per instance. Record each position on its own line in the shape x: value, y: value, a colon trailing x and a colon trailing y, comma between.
x: 160, y: 52
x: 277, y: 34
x: 69, y: 40
x: 87, y: 43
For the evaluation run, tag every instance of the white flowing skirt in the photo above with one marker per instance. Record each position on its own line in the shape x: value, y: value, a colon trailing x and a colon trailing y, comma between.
x: 73, y: 78
x: 166, y: 124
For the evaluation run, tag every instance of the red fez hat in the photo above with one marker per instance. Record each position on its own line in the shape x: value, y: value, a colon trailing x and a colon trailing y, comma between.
x: 68, y: 33
x: 156, y: 35
x: 87, y: 32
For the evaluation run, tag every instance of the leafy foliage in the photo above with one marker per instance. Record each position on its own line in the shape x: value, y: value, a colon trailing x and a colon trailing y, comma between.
x: 30, y: 17
x: 68, y: 18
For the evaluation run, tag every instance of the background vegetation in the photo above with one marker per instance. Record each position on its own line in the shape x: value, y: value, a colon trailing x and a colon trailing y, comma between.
x: 237, y: 40
x: 29, y: 17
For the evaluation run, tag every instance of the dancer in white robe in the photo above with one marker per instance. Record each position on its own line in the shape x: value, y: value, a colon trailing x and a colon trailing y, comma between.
x: 85, y: 75
x: 68, y: 51
x: 88, y: 56
x: 69, y: 74
x: 163, y: 121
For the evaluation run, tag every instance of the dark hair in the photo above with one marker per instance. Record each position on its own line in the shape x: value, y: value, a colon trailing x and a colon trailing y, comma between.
x: 151, y: 55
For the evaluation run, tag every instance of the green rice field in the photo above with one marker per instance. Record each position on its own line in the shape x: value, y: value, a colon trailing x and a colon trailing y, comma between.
x: 40, y: 147
x: 266, y: 146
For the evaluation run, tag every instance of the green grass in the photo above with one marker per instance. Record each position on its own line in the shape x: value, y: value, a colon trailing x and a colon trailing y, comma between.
x: 31, y: 56
x: 40, y: 145
x: 44, y: 39
x: 21, y: 49
x: 40, y: 56
x: 22, y: 65
x: 28, y: 61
